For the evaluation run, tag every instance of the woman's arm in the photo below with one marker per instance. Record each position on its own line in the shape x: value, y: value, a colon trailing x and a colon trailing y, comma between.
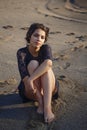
x: 21, y: 63
x: 43, y: 68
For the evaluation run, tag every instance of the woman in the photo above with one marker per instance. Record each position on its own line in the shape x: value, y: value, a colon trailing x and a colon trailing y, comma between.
x: 35, y: 67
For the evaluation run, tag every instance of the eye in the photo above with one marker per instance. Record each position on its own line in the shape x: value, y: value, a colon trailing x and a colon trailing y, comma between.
x: 35, y: 35
x: 42, y: 37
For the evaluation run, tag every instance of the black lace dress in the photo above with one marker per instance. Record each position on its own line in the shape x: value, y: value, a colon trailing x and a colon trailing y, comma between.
x: 24, y: 57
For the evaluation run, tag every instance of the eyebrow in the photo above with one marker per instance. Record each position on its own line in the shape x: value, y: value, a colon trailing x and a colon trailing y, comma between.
x: 38, y: 34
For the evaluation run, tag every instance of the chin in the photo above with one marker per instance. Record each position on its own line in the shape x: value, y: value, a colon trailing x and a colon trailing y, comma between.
x: 38, y: 46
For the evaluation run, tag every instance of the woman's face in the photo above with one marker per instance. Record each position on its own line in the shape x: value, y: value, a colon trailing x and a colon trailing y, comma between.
x: 37, y: 38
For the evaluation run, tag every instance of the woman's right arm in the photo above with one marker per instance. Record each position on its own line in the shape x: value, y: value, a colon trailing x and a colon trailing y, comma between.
x: 22, y: 64
x: 23, y: 69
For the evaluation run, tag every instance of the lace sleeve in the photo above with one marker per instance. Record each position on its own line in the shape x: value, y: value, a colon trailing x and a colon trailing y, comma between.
x: 22, y: 64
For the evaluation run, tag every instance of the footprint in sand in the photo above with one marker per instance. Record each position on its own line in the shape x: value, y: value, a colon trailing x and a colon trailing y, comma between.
x: 8, y: 27
x: 66, y: 65
x: 24, y: 28
x: 56, y: 59
x: 85, y: 47
x: 77, y: 47
x: 10, y: 81
x: 64, y: 56
x: 2, y: 83
x: 61, y: 77
x: 66, y: 82
x: 55, y: 32
x: 35, y: 124
x: 82, y: 38
x: 70, y: 34
x: 55, y: 8
x: 46, y: 15
x: 71, y: 42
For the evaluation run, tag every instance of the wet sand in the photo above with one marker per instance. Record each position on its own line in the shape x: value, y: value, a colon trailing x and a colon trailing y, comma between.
x: 68, y: 39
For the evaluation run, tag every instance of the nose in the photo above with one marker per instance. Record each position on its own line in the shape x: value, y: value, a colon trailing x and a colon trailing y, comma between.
x: 39, y: 38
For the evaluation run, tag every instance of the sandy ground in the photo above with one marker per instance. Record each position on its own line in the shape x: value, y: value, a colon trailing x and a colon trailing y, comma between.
x: 68, y: 39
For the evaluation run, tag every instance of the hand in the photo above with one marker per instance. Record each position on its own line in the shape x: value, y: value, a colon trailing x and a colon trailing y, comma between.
x: 29, y: 84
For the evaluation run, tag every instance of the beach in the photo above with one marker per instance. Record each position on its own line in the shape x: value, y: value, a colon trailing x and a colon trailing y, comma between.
x: 68, y: 39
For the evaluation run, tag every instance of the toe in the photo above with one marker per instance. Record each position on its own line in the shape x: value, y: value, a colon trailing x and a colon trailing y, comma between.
x: 49, y: 120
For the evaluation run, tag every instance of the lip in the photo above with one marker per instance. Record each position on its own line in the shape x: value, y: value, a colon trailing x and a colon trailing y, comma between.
x: 38, y: 43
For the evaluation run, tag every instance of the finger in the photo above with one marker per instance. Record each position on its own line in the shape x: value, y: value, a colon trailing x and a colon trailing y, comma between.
x: 34, y: 91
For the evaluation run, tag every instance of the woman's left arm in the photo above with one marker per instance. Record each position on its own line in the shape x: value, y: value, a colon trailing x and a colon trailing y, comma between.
x: 43, y: 68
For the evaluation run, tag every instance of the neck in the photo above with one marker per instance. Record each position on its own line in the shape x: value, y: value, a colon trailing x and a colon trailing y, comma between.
x: 33, y: 50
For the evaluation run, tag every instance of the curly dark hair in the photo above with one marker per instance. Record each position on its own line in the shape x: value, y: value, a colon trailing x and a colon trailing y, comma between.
x: 35, y: 26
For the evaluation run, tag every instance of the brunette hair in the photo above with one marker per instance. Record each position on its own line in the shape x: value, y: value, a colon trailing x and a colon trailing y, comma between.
x: 35, y: 26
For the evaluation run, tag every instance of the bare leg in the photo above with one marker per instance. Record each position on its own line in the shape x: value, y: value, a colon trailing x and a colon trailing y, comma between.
x: 48, y: 84
x: 37, y: 96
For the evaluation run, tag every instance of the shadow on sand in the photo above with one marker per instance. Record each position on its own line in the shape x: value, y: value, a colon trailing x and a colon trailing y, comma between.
x: 15, y: 115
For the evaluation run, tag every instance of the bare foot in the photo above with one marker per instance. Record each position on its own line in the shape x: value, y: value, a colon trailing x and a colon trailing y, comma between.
x: 40, y: 109
x: 48, y: 116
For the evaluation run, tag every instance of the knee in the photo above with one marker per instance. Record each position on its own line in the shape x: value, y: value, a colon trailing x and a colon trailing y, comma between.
x: 32, y: 66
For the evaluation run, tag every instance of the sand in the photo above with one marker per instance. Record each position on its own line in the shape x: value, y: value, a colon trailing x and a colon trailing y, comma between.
x: 68, y: 39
